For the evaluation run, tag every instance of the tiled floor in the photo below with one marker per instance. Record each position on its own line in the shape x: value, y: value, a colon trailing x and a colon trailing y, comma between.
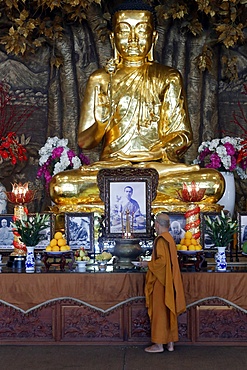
x: 103, y: 357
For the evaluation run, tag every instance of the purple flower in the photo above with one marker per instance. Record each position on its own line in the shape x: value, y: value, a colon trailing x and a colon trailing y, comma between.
x: 229, y: 149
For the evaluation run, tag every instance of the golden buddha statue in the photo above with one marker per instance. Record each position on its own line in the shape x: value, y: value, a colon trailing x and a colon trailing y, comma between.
x: 138, y: 109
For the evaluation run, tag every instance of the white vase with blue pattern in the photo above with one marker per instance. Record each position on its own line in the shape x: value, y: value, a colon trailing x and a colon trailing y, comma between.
x: 220, y: 259
x: 30, y: 261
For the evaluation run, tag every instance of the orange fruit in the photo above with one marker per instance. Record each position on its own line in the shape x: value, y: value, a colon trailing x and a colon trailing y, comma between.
x: 63, y: 248
x: 191, y: 247
x: 182, y: 241
x: 55, y: 248
x: 53, y: 242
x: 198, y: 247
x: 188, y: 235
x: 183, y: 248
x: 187, y: 242
x: 58, y: 235
x: 178, y: 246
x: 61, y: 242
x: 48, y: 248
x: 194, y: 241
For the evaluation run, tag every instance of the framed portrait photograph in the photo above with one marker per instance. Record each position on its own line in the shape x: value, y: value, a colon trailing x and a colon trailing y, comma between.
x: 6, y: 233
x: 177, y: 226
x: 242, y: 228
x: 79, y: 230
x: 128, y: 193
x: 206, y: 241
x: 46, y: 234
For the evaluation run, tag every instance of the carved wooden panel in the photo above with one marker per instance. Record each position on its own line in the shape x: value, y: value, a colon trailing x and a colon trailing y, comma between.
x: 81, y: 323
x: 184, y: 329
x: 35, y: 326
x: 220, y: 324
x: 138, y: 321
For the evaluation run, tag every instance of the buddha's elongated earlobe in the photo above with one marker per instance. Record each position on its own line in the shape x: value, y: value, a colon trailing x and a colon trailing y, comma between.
x: 116, y: 55
x: 150, y: 55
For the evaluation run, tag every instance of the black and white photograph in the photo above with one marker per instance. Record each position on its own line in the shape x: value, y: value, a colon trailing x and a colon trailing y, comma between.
x: 128, y: 204
x: 80, y: 230
x: 128, y: 193
x: 47, y: 233
x: 177, y: 226
x: 6, y: 233
x: 242, y: 229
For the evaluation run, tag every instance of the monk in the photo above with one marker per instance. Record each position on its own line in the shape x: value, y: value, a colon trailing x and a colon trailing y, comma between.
x: 137, y: 109
x: 164, y: 289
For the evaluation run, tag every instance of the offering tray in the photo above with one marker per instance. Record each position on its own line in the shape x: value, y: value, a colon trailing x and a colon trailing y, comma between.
x: 59, y: 258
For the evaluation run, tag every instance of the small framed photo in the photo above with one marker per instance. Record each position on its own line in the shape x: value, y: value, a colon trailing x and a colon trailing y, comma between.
x: 206, y: 241
x: 6, y: 232
x: 128, y: 194
x: 46, y: 234
x: 242, y: 228
x: 79, y: 229
x: 177, y: 226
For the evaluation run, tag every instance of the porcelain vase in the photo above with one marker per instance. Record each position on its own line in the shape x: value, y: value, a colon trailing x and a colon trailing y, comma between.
x: 228, y: 198
x: 30, y: 261
x: 220, y: 259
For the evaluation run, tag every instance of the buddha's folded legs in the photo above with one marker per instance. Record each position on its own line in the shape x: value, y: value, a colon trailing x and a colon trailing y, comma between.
x: 80, y: 186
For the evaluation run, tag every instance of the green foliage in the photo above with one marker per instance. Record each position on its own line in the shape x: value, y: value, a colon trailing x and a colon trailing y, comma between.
x: 29, y: 230
x: 221, y: 229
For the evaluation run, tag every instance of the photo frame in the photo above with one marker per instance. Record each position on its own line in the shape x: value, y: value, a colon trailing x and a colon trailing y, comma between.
x: 6, y: 233
x: 242, y: 229
x: 128, y: 193
x: 47, y: 233
x: 79, y: 230
x: 177, y: 226
x: 206, y: 241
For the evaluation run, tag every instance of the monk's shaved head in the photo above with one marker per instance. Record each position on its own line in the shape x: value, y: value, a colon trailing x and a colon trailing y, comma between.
x: 163, y: 219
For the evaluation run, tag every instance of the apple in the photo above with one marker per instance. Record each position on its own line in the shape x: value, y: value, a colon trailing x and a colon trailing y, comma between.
x: 245, y: 247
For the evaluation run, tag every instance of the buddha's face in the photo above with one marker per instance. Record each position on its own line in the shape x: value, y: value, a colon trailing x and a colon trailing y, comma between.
x: 133, y: 33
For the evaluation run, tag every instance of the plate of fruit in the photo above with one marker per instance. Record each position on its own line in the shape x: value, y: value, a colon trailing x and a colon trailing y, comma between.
x: 81, y: 256
x: 58, y: 244
x: 189, y: 244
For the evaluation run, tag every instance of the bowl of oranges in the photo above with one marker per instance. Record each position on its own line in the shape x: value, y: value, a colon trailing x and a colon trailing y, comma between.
x: 58, y: 244
x: 188, y: 244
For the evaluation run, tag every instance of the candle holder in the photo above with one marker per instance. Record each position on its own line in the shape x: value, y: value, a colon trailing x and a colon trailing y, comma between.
x: 127, y: 224
x: 20, y: 195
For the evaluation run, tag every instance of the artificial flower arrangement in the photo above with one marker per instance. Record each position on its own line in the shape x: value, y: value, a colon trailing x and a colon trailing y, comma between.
x: 225, y: 154
x: 29, y: 230
x: 104, y: 256
x: 221, y: 229
x: 55, y: 156
x: 11, y: 149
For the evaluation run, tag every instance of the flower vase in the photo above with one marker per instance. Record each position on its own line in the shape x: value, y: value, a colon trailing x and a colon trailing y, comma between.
x: 228, y: 198
x: 220, y: 259
x: 30, y: 262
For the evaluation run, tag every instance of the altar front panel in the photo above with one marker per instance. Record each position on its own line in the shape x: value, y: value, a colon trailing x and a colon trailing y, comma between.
x: 93, y: 308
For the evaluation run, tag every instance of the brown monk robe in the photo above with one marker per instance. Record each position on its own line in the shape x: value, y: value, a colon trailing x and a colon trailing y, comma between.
x: 164, y: 288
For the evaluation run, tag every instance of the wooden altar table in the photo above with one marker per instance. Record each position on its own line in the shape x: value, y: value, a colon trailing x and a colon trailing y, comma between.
x: 93, y: 308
